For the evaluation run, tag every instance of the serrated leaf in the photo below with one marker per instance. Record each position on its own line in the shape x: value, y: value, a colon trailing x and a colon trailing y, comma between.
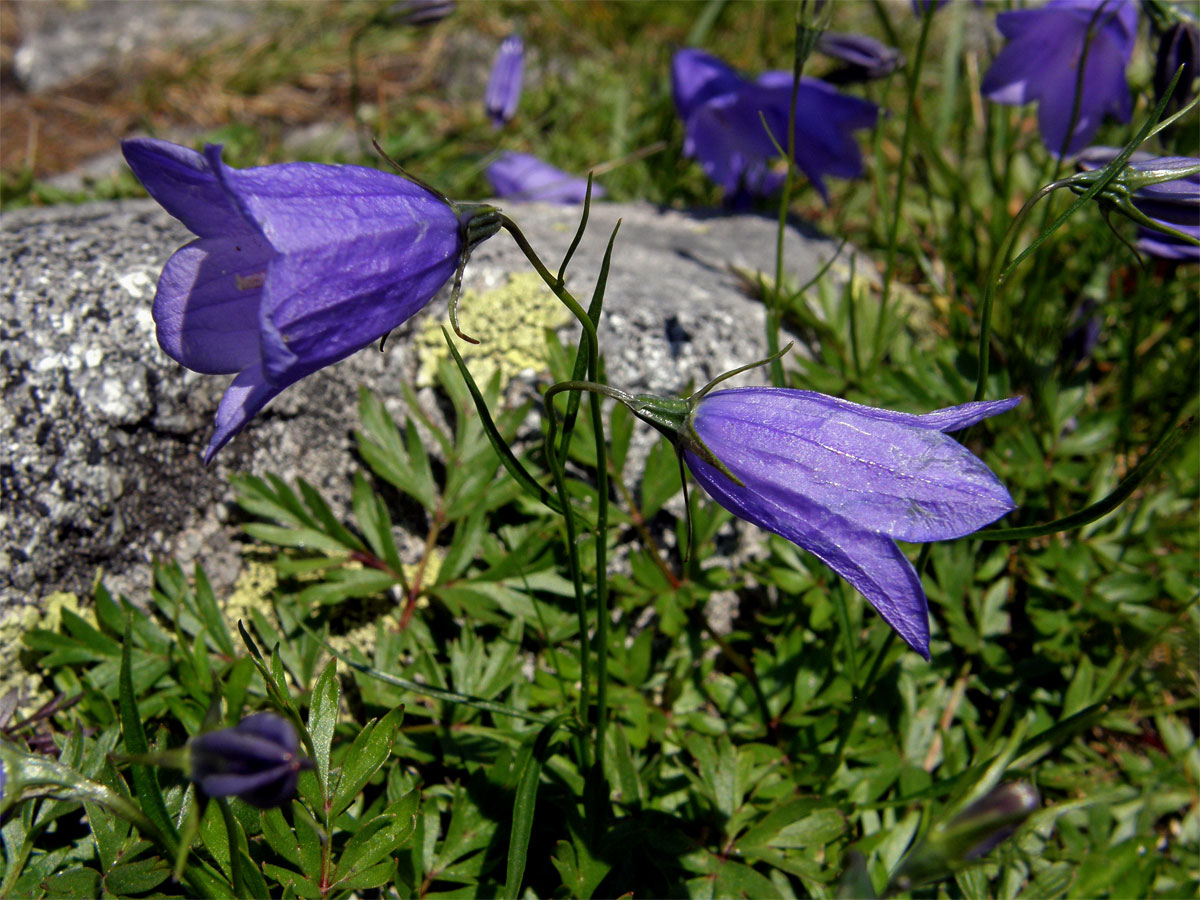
x: 378, y: 838
x: 136, y: 877
x: 369, y: 751
x: 372, y: 516
x: 279, y: 835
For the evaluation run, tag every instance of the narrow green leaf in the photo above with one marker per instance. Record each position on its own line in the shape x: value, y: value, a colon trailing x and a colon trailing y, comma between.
x: 324, y: 515
x: 145, y: 779
x: 369, y: 751
x: 525, y: 805
x: 507, y: 457
x: 322, y: 719
x: 210, y: 614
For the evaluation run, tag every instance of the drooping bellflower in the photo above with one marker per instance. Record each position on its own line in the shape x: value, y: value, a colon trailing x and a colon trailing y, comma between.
x: 1179, y: 46
x: 522, y: 176
x: 504, y: 85
x: 1173, y: 203
x: 723, y: 115
x: 257, y: 760
x: 864, y: 58
x: 295, y: 266
x: 842, y: 481
x: 1041, y: 62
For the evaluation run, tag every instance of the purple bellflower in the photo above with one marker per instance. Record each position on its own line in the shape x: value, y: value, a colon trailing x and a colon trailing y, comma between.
x: 295, y: 266
x: 864, y: 57
x: 504, y: 85
x: 417, y: 13
x: 521, y: 176
x: 1173, y: 203
x: 723, y: 115
x: 257, y: 760
x: 1041, y: 62
x: 1179, y: 46
x: 841, y: 480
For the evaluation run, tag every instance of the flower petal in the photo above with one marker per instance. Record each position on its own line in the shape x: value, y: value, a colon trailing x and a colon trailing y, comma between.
x: 309, y: 206
x: 872, y: 563
x: 523, y: 176
x: 956, y: 418
x: 697, y: 77
x: 321, y: 305
x: 248, y: 394
x: 230, y: 784
x: 1104, y: 92
x: 360, y: 251
x: 183, y: 183
x: 206, y: 307
x: 503, y: 92
x: 881, y: 475
x: 271, y: 727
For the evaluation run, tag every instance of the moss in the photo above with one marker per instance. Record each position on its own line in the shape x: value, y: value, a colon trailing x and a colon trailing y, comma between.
x: 509, y: 322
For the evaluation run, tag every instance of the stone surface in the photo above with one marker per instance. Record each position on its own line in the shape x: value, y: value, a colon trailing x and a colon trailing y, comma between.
x: 103, y: 433
x: 62, y: 42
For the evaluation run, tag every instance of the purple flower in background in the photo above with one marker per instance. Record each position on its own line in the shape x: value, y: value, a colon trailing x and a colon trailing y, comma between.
x: 723, y: 115
x: 523, y: 176
x: 417, y: 13
x: 504, y: 85
x: 920, y: 7
x: 845, y: 482
x: 257, y: 760
x: 864, y: 57
x: 1179, y: 46
x: 1041, y: 63
x: 296, y: 266
x: 1174, y: 203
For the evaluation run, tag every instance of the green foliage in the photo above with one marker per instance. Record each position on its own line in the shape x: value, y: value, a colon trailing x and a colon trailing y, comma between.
x: 764, y: 733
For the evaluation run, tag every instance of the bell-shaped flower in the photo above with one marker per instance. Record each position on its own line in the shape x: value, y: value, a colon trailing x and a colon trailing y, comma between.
x: 1163, y: 200
x: 257, y: 760
x: 295, y: 266
x: 845, y: 482
x: 732, y: 124
x: 969, y: 836
x: 1178, y: 46
x: 864, y: 58
x: 1041, y: 62
x: 504, y: 85
x: 416, y: 13
x: 522, y: 176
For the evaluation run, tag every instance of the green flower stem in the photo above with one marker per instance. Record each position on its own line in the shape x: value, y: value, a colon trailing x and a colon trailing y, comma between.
x: 993, y: 280
x: 556, y: 463
x: 905, y: 145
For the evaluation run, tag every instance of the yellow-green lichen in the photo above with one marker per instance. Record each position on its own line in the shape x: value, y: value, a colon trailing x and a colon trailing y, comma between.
x: 508, y: 322
x: 46, y: 614
x: 363, y: 637
x: 252, y: 590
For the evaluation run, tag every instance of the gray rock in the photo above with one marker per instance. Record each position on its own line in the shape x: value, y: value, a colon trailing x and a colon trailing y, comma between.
x: 63, y: 42
x: 103, y: 433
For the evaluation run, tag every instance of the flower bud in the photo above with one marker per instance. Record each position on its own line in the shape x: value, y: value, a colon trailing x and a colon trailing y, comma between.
x: 972, y: 834
x: 504, y: 86
x: 1180, y: 46
x: 256, y: 760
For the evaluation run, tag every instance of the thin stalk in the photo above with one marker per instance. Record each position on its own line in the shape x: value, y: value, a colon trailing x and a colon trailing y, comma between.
x: 772, y: 297
x: 897, y: 208
x: 993, y: 278
x: 601, y: 536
